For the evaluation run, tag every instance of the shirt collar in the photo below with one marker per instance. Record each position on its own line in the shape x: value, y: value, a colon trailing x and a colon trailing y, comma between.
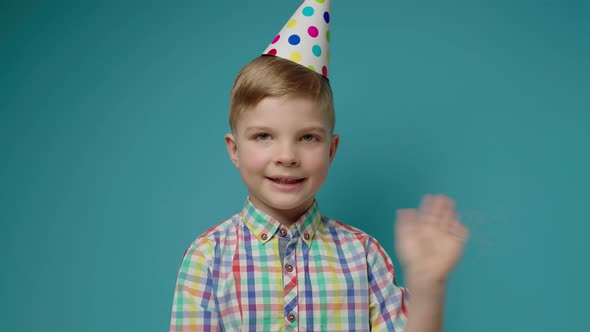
x: 264, y: 227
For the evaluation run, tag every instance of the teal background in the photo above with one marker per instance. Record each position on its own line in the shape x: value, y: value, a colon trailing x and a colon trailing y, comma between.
x: 112, y: 116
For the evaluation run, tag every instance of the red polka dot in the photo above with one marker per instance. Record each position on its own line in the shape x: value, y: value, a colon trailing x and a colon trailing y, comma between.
x: 276, y: 39
x: 325, y: 71
x: 272, y: 52
x: 313, y: 31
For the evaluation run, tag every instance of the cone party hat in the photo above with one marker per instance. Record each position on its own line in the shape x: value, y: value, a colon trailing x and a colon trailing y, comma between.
x: 305, y: 39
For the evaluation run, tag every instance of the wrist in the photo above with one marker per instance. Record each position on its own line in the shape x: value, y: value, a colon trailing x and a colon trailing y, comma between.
x: 424, y: 283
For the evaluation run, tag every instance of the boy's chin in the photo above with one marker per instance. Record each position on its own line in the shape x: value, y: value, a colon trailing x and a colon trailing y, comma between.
x: 288, y: 204
x: 293, y: 207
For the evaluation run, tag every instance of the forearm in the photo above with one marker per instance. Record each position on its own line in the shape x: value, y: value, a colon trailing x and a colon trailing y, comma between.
x: 426, y: 305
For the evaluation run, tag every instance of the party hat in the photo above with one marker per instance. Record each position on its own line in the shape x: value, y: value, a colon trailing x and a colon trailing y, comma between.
x: 305, y: 39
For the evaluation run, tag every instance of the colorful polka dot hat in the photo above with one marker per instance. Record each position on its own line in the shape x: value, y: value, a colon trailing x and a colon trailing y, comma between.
x: 305, y: 39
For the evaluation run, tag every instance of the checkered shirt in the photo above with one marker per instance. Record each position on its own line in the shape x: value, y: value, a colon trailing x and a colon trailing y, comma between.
x: 334, y: 277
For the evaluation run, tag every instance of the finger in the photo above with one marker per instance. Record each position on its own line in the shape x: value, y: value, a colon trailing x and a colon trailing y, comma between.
x: 426, y: 208
x: 438, y: 209
x: 441, y: 205
x: 446, y: 211
x: 459, y: 230
x: 448, y: 220
x: 405, y: 217
x: 426, y: 203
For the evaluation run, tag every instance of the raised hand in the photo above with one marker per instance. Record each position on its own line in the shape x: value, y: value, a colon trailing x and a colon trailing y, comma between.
x: 429, y: 240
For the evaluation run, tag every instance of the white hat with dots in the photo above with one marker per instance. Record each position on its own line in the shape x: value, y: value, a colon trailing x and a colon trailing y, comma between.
x: 305, y: 39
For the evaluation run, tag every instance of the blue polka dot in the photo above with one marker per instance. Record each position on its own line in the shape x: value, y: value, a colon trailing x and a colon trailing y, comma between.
x: 308, y: 11
x: 327, y: 17
x: 317, y: 50
x: 294, y: 39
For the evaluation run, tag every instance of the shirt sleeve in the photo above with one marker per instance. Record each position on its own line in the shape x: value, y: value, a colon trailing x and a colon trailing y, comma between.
x: 194, y: 307
x: 387, y: 307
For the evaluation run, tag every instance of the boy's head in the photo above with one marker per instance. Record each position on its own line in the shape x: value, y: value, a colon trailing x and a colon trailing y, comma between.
x: 282, y: 141
x: 282, y: 116
x: 271, y: 76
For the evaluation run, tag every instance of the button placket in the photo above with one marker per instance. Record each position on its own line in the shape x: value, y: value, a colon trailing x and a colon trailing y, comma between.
x: 290, y: 252
x: 290, y: 289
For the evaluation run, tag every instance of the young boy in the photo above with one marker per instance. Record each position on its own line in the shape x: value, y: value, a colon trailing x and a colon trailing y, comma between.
x: 279, y: 265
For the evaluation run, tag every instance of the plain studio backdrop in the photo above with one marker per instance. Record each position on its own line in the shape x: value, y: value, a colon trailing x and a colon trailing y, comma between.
x: 112, y: 116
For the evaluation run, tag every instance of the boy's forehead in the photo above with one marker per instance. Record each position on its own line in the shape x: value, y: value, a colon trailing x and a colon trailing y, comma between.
x: 286, y: 111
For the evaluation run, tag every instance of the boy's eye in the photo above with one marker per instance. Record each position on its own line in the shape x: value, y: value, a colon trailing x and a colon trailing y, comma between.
x: 262, y: 137
x: 310, y: 138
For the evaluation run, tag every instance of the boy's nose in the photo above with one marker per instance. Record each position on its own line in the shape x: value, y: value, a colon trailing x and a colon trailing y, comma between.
x: 286, y: 156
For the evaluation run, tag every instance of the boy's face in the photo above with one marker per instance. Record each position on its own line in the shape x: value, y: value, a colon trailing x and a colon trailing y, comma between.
x: 283, y: 148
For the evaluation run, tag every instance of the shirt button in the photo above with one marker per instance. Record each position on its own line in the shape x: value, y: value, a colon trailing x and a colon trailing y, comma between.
x: 306, y: 236
x: 283, y: 232
x: 289, y: 268
x: 264, y: 236
x: 291, y: 317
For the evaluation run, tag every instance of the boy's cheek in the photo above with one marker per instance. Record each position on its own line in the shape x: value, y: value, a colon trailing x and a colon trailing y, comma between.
x: 318, y: 164
x: 253, y: 160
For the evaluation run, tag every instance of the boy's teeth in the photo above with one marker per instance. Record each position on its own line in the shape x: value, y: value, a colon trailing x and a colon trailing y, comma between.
x: 286, y: 181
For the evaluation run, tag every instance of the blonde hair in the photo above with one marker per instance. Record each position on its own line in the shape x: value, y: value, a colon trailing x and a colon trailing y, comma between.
x: 271, y: 76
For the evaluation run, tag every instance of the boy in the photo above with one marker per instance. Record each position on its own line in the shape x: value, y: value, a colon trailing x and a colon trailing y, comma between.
x: 279, y: 264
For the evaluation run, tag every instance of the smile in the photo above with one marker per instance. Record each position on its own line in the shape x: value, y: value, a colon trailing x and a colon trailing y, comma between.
x: 286, y: 180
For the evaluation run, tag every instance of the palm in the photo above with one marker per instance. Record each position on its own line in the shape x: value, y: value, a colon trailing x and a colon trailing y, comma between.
x: 430, y: 240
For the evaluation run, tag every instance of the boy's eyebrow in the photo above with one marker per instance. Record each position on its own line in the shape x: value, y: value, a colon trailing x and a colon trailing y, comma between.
x: 257, y: 128
x: 315, y: 128
x: 263, y: 128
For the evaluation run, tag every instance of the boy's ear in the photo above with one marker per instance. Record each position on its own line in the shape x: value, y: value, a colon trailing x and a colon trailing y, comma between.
x: 232, y: 149
x: 334, y: 146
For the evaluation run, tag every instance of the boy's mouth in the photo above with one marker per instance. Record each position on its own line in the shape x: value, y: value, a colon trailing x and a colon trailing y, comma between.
x: 284, y: 180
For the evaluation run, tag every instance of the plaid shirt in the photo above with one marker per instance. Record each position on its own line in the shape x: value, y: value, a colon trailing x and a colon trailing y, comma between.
x: 334, y: 277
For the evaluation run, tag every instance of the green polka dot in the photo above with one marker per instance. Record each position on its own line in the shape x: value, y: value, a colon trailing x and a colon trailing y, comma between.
x: 320, y: 1
x: 328, y: 35
x: 311, y: 67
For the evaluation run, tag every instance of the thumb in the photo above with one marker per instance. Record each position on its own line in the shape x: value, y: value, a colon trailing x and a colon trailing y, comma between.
x: 405, y: 219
